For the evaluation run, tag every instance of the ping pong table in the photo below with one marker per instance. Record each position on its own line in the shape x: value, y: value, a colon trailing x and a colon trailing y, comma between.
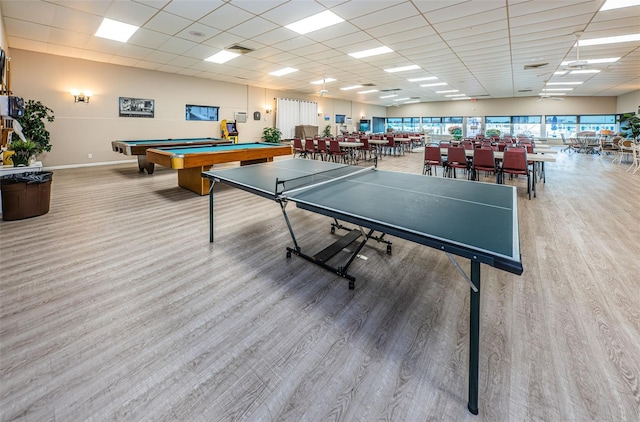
x: 436, y: 212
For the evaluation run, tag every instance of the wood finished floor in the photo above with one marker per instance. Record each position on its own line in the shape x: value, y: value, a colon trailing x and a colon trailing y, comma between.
x: 114, y: 306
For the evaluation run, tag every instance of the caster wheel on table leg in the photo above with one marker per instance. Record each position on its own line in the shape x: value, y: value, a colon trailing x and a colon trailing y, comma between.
x: 389, y: 249
x: 288, y: 254
x: 352, y: 285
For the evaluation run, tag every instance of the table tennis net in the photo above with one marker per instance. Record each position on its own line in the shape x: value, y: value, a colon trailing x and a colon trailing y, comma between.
x: 286, y: 187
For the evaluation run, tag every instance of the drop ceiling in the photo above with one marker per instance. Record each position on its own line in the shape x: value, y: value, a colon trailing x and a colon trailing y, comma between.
x: 482, y: 48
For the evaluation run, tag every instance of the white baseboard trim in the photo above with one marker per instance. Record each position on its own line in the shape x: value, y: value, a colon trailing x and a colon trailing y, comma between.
x: 104, y: 163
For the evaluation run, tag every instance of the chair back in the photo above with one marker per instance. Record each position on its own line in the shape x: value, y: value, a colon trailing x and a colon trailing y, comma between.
x: 483, y: 157
x: 297, y: 144
x: 514, y: 159
x: 334, y: 147
x: 322, y: 146
x: 309, y: 145
x: 456, y: 155
x: 432, y: 155
x: 467, y: 144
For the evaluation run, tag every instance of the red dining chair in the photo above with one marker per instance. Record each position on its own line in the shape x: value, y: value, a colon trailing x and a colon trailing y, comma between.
x: 456, y: 159
x: 321, y: 148
x: 310, y: 148
x: 432, y: 159
x: 297, y: 148
x: 335, y: 151
x: 366, y: 148
x: 483, y: 160
x: 514, y: 162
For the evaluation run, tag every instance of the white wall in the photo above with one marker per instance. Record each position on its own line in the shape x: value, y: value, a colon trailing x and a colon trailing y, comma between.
x: 629, y: 103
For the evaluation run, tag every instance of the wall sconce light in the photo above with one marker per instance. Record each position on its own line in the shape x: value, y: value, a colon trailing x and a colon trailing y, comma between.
x: 364, y: 116
x: 268, y: 110
x: 80, y: 97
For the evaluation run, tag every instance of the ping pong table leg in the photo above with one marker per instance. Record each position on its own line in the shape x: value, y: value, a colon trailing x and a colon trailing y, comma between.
x: 211, y: 211
x: 474, y: 339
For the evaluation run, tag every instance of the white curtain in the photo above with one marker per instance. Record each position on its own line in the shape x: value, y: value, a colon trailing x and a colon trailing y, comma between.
x: 291, y: 113
x: 308, y: 113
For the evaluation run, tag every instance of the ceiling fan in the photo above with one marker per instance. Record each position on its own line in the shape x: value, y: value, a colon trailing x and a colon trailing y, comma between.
x: 324, y: 89
x: 577, y: 64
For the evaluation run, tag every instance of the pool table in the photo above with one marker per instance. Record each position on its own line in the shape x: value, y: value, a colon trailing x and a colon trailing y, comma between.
x: 139, y: 147
x: 191, y: 161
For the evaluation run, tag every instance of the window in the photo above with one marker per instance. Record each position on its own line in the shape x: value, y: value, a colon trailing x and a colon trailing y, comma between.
x: 200, y: 112
x: 474, y: 126
x: 340, y: 119
x: 450, y: 122
x: 394, y: 123
x: 560, y: 125
x: 596, y: 123
x: 411, y: 124
x: 501, y: 123
x: 526, y: 125
x: 432, y: 125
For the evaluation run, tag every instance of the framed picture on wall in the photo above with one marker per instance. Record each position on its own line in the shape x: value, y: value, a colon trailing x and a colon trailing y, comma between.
x: 136, y: 107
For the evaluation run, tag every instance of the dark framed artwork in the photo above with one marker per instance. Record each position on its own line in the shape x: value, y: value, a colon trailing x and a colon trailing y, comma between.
x: 136, y: 107
x: 200, y: 112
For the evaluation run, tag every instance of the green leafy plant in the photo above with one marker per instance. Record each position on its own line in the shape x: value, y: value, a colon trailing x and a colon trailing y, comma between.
x: 23, y: 151
x: 271, y: 134
x: 327, y: 131
x: 456, y: 131
x: 33, y: 124
x: 630, y: 125
x: 492, y: 132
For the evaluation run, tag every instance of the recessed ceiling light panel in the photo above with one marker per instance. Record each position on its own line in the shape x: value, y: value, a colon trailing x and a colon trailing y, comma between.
x: 402, y: 68
x: 116, y: 31
x: 371, y: 52
x: 222, y: 57
x: 283, y: 71
x: 315, y: 22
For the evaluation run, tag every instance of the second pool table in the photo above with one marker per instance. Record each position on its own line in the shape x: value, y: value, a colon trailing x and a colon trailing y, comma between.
x: 139, y: 147
x: 193, y: 160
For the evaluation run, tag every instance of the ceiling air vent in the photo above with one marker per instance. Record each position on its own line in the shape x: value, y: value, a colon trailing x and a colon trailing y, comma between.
x: 368, y: 84
x: 390, y: 90
x: 535, y: 66
x: 525, y: 90
x: 239, y: 49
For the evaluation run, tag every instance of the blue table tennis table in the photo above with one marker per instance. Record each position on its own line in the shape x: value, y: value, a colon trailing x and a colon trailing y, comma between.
x: 473, y: 220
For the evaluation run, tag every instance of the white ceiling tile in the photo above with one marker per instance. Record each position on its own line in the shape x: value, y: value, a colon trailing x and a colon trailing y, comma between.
x: 130, y: 12
x: 224, y: 40
x: 252, y: 28
x: 225, y: 17
x: 68, y: 38
x: 177, y: 45
x: 27, y: 30
x: 147, y: 38
x: 192, y: 9
x: 166, y: 23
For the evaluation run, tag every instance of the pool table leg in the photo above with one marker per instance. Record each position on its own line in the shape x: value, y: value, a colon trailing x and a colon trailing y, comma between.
x: 144, y: 164
x: 191, y: 178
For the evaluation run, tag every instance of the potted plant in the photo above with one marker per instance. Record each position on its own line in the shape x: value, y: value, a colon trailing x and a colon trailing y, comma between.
x: 327, y: 131
x: 630, y: 125
x: 33, y: 124
x: 492, y: 132
x: 456, y: 131
x: 271, y: 134
x: 23, y: 151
